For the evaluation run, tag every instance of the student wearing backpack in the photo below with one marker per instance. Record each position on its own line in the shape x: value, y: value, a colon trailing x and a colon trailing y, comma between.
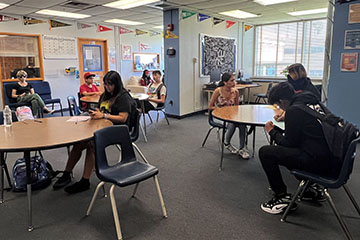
x: 157, y: 93
x: 116, y: 105
x: 303, y: 146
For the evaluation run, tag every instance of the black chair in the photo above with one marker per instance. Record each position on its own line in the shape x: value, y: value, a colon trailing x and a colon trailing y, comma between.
x: 127, y: 172
x: 160, y: 108
x: 327, y: 183
x: 80, y: 102
x: 43, y: 89
x: 73, y: 107
x: 213, y: 125
x: 263, y: 96
x: 8, y: 99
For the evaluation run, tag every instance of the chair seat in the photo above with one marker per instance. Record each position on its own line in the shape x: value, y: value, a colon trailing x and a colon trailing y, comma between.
x: 54, y: 100
x: 260, y: 95
x: 128, y: 173
x: 15, y: 105
x: 327, y: 182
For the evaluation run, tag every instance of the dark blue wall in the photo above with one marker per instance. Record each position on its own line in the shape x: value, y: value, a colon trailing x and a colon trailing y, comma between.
x: 172, y: 64
x: 344, y: 87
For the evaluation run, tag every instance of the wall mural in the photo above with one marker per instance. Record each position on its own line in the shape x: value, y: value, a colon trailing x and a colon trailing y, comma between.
x: 217, y: 53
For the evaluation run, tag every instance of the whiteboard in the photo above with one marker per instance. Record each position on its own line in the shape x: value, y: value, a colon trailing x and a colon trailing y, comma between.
x: 56, y: 47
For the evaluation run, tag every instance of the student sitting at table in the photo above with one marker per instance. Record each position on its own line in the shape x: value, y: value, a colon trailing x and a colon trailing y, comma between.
x: 302, y: 147
x: 227, y: 95
x: 157, y: 93
x: 116, y: 105
x: 88, y: 88
x: 145, y: 79
x: 24, y: 93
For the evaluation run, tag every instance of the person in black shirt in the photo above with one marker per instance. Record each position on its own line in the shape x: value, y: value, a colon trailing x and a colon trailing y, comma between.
x: 24, y: 93
x: 302, y: 147
x: 116, y: 105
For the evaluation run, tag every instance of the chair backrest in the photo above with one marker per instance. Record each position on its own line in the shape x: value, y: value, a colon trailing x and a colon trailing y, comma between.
x: 134, y: 132
x: 212, y: 122
x: 8, y: 86
x: 117, y: 134
x: 13, y: 115
x: 269, y: 88
x: 73, y: 107
x: 42, y: 88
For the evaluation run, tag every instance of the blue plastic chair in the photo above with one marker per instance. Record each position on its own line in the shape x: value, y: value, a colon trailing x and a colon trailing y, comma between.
x: 73, y: 107
x: 331, y: 183
x: 124, y: 173
x: 213, y: 125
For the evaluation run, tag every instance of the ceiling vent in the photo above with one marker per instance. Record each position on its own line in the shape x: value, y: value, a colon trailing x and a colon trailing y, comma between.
x: 77, y: 5
x: 162, y: 5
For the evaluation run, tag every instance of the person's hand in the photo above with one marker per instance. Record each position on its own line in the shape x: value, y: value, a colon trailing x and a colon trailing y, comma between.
x: 96, y: 114
x: 269, y: 126
x: 23, y: 94
x: 279, y: 117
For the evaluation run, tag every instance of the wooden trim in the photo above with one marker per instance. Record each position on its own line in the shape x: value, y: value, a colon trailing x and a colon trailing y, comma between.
x: 92, y: 39
x: 20, y: 34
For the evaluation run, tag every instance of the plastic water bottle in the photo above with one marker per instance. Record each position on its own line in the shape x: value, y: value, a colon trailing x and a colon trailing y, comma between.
x: 7, y: 116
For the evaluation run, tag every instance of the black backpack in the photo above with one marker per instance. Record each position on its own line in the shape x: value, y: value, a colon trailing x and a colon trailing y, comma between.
x: 338, y: 132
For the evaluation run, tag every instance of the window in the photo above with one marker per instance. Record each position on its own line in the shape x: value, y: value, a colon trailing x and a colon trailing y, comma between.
x: 280, y: 45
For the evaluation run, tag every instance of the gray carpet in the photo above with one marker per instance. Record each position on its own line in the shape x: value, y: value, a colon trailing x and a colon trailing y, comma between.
x: 202, y: 202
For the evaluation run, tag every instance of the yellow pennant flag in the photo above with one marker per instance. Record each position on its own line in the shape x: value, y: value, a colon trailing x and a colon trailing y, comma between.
x: 170, y: 35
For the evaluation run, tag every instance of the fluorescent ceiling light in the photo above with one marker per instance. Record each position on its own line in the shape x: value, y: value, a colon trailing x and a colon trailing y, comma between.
x: 159, y: 27
x: 3, y: 5
x: 239, y: 14
x: 271, y: 2
x: 126, y: 22
x: 62, y: 14
x: 126, y: 4
x: 308, y: 12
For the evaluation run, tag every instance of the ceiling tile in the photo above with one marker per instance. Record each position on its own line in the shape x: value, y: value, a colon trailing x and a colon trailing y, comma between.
x: 9, y: 1
x: 98, y: 10
x: 39, y: 3
x: 64, y: 9
x: 97, y: 2
x: 18, y: 10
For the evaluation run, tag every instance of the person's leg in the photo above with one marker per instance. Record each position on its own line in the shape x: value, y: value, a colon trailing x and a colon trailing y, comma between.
x: 29, y: 99
x: 230, y: 129
x: 242, y: 135
x: 148, y: 106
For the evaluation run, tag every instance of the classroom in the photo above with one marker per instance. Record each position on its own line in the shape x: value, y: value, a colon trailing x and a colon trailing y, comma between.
x: 179, y: 119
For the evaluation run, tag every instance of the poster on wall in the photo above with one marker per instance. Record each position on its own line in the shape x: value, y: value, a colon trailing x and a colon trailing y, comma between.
x: 352, y: 39
x: 56, y: 47
x: 349, y: 62
x: 354, y: 13
x: 126, y: 52
x: 217, y: 53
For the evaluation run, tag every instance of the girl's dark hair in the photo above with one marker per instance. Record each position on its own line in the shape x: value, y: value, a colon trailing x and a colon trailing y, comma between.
x: 282, y: 91
x: 114, y: 78
x: 224, y: 78
x: 144, y: 75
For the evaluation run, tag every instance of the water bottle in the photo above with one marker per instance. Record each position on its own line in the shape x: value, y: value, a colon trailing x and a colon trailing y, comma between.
x: 7, y: 116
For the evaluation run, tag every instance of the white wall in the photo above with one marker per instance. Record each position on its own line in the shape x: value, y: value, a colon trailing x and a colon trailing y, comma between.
x: 54, y: 70
x: 248, y: 57
x: 192, y: 97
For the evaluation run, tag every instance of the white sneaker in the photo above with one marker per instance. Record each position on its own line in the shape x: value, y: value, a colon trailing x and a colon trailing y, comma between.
x: 231, y: 148
x: 244, y: 153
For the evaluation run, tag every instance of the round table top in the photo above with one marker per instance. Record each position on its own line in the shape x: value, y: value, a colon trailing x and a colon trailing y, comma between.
x: 46, y: 133
x: 96, y: 98
x: 248, y: 114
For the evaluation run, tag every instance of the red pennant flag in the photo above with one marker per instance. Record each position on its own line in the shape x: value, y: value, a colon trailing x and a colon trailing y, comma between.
x: 4, y: 18
x: 124, y: 30
x: 229, y: 24
x: 101, y: 28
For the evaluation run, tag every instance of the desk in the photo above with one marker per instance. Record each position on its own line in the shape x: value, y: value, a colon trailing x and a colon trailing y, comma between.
x: 252, y: 115
x: 139, y: 96
x: 47, y: 133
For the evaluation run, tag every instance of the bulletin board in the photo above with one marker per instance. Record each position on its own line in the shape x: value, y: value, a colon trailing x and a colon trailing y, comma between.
x: 56, y: 47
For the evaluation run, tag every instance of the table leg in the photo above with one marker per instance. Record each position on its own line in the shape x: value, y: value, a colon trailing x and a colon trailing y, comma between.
x: 222, y: 146
x: 28, y: 187
x: 253, y: 153
x: 2, y: 160
x: 143, y: 112
x: 248, y: 100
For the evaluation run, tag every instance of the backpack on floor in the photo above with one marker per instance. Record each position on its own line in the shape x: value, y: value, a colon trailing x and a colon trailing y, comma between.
x: 41, y: 173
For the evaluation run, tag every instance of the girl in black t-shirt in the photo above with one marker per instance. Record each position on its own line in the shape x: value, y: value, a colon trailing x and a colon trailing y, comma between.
x: 116, y: 105
x: 24, y: 93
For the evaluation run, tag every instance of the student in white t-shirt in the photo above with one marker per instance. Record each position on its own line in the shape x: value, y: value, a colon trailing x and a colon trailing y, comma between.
x: 157, y: 92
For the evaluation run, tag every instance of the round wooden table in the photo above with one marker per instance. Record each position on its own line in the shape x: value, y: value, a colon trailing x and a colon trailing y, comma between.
x: 40, y: 134
x: 252, y: 115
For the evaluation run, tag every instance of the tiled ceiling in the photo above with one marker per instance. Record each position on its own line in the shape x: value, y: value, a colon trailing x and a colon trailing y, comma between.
x: 150, y: 15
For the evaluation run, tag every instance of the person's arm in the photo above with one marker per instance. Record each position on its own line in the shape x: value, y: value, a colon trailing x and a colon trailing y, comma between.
x: 32, y: 91
x: 236, y: 97
x: 213, y: 99
x: 121, y: 118
x: 13, y: 93
x: 161, y: 100
x: 85, y: 93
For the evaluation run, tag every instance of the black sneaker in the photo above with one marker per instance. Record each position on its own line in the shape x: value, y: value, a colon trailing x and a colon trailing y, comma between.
x: 82, y: 185
x: 314, y: 193
x: 64, y: 180
x: 278, y: 205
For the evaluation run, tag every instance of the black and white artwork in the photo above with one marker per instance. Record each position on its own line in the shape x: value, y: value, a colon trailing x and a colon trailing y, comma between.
x: 217, y: 53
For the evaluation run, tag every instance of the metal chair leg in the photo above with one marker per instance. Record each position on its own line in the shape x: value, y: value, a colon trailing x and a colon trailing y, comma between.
x: 94, y: 197
x: 219, y: 138
x: 135, y: 189
x: 304, y: 189
x: 157, y: 116
x: 339, y: 218
x: 115, y: 212
x: 166, y: 118
x: 143, y: 132
x: 352, y: 199
x: 104, y: 191
x: 140, y: 153
x: 301, y: 185
x: 7, y: 175
x: 150, y: 117
x: 61, y: 110
x: 160, y: 196
x: 206, y: 137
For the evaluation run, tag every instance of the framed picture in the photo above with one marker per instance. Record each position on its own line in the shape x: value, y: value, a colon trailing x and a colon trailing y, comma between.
x: 92, y: 55
x: 126, y: 52
x: 349, y: 62
x: 352, y: 39
x: 354, y: 13
x: 149, y: 61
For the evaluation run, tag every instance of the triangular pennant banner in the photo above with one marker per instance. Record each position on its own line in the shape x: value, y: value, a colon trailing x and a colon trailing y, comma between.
x: 83, y: 25
x: 101, y: 28
x: 30, y: 21
x: 140, y: 32
x: 55, y: 24
x: 202, y: 17
x: 153, y: 33
x: 217, y: 20
x: 186, y: 14
x: 229, y: 24
x: 247, y: 27
x: 143, y: 46
x: 6, y: 18
x: 124, y: 30
x: 170, y: 35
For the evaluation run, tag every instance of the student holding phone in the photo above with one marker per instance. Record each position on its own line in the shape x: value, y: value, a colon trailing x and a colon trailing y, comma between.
x: 116, y: 105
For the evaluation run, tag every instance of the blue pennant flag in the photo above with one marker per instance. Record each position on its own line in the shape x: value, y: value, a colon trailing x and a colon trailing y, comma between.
x: 202, y: 17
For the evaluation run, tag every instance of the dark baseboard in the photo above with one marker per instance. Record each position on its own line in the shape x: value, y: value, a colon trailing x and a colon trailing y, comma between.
x: 186, y: 115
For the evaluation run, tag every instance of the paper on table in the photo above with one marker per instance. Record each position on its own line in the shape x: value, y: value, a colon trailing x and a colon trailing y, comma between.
x: 78, y: 119
x: 280, y: 125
